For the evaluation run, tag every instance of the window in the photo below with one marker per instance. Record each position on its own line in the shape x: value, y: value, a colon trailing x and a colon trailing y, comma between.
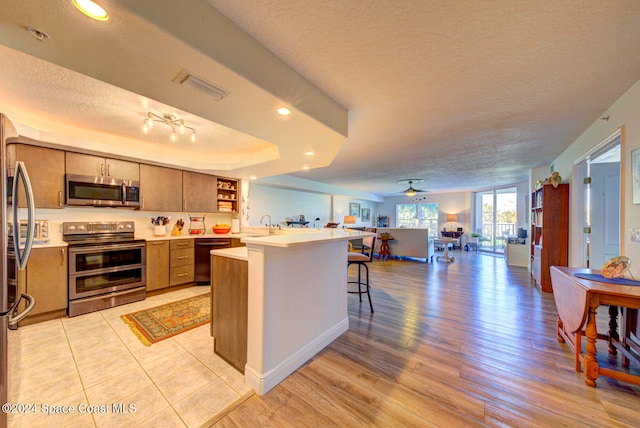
x: 418, y: 216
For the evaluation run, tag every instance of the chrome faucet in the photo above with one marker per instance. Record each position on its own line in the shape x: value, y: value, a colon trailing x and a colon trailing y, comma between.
x: 268, y: 224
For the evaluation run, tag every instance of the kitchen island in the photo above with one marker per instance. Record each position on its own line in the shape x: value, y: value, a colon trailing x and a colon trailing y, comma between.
x: 297, y: 300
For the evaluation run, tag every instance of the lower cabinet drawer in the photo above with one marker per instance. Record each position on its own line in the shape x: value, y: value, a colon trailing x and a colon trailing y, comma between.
x: 185, y: 256
x: 181, y: 275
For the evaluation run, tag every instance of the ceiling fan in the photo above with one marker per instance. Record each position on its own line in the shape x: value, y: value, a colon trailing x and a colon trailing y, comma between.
x: 411, y: 191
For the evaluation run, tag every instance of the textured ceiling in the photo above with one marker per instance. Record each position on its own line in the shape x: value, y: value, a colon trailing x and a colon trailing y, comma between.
x: 462, y: 94
x: 92, y: 83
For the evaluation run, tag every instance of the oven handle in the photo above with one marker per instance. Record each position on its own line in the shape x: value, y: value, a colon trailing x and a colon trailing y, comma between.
x: 97, y: 248
x: 79, y: 274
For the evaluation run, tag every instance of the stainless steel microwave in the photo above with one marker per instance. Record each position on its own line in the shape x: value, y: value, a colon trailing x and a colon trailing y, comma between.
x: 102, y: 191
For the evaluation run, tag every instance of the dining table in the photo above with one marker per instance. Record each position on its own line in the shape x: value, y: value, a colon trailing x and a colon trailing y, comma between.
x: 578, y: 293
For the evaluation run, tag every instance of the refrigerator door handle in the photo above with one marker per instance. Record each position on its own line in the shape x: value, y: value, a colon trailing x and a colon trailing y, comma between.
x: 14, y: 317
x: 21, y: 175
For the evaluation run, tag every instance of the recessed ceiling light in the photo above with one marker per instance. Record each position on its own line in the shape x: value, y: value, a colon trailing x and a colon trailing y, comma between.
x: 38, y: 34
x: 283, y: 111
x: 309, y: 153
x: 252, y: 177
x: 92, y: 9
x: 305, y: 167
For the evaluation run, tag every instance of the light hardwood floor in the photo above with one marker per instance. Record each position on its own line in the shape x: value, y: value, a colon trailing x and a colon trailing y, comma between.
x: 467, y: 344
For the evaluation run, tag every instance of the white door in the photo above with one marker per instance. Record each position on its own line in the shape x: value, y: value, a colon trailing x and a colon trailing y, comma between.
x: 605, y: 213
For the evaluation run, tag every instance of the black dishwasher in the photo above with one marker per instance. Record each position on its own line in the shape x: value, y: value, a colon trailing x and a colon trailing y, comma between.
x: 203, y: 257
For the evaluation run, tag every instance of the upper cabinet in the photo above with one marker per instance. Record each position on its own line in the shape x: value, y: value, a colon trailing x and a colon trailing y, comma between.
x: 160, y: 188
x: 198, y: 192
x: 46, y: 171
x: 98, y: 166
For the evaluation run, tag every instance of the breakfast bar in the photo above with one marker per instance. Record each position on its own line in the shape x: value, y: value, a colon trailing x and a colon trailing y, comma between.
x: 297, y: 300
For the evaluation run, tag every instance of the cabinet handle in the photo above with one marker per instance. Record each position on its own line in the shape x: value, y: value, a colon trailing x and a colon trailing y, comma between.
x: 182, y: 244
x: 182, y: 257
x: 108, y: 170
x: 101, y: 169
x: 61, y: 256
x: 184, y: 205
x: 183, y: 274
x: 143, y: 202
x: 157, y: 243
x: 60, y: 202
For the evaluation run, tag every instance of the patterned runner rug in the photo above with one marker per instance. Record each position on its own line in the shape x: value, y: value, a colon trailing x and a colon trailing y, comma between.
x: 161, y: 322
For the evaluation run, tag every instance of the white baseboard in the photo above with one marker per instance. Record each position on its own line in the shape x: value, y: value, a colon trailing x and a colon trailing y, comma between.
x: 262, y: 383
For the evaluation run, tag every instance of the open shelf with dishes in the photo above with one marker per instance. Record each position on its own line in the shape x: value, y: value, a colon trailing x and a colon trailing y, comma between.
x: 227, y: 195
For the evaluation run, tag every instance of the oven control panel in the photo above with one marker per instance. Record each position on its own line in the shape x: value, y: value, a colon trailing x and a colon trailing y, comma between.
x: 83, y: 228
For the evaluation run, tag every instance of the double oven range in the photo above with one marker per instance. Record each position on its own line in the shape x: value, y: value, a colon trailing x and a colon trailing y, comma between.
x: 106, y: 265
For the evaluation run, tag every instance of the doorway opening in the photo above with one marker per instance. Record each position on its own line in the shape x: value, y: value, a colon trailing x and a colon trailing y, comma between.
x: 496, y: 217
x: 598, y: 204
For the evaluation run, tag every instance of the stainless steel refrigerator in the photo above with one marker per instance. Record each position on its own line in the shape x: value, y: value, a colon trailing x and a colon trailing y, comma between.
x: 10, y: 295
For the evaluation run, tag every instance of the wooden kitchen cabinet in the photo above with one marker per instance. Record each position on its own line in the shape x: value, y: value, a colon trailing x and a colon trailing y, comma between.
x: 157, y: 265
x: 181, y: 261
x: 46, y: 170
x: 98, y: 166
x: 160, y: 188
x: 229, y: 309
x: 198, y: 192
x: 46, y: 279
x: 235, y: 242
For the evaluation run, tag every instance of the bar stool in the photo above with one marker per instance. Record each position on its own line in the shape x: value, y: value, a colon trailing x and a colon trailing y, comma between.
x: 361, y: 259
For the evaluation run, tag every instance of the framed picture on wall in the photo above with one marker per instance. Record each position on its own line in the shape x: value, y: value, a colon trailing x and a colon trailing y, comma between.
x: 354, y: 209
x: 635, y: 165
x: 366, y: 214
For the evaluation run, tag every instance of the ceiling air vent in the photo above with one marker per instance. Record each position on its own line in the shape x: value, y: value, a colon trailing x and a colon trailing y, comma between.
x: 187, y: 79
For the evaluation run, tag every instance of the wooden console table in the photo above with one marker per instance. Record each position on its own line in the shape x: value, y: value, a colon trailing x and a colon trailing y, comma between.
x: 384, y: 252
x: 577, y: 301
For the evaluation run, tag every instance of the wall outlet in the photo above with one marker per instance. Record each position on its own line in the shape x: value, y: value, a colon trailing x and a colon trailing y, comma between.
x: 635, y: 234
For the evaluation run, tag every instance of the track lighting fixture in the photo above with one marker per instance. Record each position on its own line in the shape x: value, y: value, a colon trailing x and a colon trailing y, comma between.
x: 170, y: 120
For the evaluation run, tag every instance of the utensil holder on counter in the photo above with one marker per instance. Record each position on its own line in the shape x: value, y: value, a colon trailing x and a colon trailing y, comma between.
x: 160, y: 230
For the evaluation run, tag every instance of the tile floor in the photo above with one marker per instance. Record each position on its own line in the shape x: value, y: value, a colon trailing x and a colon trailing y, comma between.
x: 95, y: 360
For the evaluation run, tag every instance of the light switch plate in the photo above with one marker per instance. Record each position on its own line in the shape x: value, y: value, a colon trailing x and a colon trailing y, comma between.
x: 635, y: 234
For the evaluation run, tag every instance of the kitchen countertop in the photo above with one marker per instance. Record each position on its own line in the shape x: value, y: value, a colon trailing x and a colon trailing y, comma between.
x: 150, y: 237
x: 187, y: 236
x: 311, y: 238
x: 239, y: 253
x: 51, y: 243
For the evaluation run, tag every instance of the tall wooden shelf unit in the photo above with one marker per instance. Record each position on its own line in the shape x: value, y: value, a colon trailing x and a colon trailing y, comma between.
x: 549, y: 232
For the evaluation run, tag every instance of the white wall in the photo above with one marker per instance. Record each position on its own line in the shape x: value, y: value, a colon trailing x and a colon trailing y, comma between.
x: 341, y: 206
x: 624, y: 114
x: 448, y: 203
x: 283, y: 204
x: 523, y: 206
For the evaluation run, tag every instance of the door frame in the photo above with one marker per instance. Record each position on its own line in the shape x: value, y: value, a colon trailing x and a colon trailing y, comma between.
x: 578, y: 247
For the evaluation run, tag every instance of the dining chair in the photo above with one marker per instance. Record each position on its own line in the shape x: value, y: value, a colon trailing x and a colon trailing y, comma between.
x: 361, y: 259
